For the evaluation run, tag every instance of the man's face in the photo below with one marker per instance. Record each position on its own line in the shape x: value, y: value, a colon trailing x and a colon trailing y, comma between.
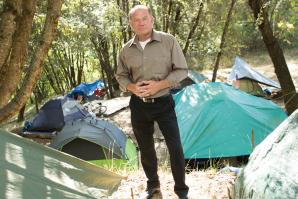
x: 141, y: 22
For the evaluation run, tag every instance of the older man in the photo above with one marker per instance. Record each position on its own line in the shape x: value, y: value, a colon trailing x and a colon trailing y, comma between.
x: 148, y: 66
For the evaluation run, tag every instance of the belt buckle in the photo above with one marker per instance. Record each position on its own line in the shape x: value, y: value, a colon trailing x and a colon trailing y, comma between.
x: 148, y: 100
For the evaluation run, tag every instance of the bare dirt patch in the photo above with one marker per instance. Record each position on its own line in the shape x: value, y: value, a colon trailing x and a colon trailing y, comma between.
x: 203, y: 184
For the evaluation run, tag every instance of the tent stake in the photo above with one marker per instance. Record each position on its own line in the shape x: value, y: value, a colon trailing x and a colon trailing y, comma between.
x: 252, y: 139
x: 131, y: 193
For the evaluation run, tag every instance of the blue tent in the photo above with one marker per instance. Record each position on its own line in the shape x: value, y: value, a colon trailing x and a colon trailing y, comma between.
x: 53, y: 115
x: 216, y: 120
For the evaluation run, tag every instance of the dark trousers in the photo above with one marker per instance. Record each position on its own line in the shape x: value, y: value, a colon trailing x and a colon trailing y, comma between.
x: 143, y: 116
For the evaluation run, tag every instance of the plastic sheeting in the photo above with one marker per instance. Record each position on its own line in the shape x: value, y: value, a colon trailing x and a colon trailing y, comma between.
x: 30, y: 170
x: 241, y: 69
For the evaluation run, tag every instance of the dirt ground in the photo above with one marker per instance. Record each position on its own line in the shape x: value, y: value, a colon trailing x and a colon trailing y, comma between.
x: 203, y: 184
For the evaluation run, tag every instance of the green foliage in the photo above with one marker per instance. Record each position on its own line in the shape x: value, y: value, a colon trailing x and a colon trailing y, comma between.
x: 285, y: 21
x: 82, y: 20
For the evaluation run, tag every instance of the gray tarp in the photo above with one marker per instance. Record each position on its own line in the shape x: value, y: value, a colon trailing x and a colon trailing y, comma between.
x: 241, y: 69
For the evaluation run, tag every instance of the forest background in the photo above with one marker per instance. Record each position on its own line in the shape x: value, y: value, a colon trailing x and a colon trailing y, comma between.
x: 49, y: 47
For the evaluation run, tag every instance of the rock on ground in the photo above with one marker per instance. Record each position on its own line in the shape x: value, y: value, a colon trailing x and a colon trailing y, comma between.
x: 272, y: 168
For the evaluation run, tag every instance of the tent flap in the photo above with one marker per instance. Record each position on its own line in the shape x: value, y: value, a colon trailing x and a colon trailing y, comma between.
x: 30, y: 170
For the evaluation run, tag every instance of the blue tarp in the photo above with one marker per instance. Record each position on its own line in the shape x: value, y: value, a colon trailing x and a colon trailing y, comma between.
x: 87, y: 89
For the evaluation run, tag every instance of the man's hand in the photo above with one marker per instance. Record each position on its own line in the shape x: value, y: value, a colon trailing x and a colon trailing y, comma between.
x: 137, y: 88
x: 152, y: 87
x: 148, y: 88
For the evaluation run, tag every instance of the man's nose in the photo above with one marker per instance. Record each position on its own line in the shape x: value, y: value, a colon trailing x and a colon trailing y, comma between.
x: 142, y: 22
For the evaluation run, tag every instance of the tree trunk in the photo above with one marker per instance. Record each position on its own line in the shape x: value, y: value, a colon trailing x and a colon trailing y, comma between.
x: 21, y: 114
x: 165, y: 9
x: 71, y: 63
x: 151, y: 6
x: 53, y: 77
x: 123, y: 27
x: 127, y: 8
x: 80, y: 66
x: 34, y: 71
x: 167, y: 20
x: 276, y: 55
x: 177, y: 19
x: 11, y: 75
x: 102, y: 48
x: 195, y: 23
x: 12, y: 9
x: 222, y: 42
x: 115, y: 55
x: 50, y: 75
x: 36, y: 103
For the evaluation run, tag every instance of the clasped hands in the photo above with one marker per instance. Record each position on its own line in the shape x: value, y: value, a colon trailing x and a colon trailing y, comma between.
x: 146, y: 88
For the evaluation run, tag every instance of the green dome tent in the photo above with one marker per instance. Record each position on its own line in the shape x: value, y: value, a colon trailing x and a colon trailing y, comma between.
x: 216, y: 120
x: 97, y: 141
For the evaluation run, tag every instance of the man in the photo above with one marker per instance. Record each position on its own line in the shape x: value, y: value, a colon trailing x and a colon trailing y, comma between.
x: 149, y: 65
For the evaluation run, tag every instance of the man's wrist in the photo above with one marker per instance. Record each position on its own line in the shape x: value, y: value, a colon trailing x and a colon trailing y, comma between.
x: 130, y: 87
x: 165, y: 84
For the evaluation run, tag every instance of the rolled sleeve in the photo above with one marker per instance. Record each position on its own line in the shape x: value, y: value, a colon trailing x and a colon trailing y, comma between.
x: 179, y: 65
x: 122, y: 74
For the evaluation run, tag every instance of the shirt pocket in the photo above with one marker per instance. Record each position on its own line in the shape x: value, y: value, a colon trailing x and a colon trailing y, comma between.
x: 133, y: 62
x: 161, y: 65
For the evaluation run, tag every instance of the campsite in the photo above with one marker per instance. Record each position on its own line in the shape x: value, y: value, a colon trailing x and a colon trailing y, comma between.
x: 72, y: 127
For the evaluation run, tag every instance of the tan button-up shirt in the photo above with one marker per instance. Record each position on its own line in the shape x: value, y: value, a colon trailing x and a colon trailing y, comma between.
x: 162, y: 58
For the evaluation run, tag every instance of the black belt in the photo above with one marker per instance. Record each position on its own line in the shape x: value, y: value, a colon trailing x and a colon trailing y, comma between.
x: 152, y: 100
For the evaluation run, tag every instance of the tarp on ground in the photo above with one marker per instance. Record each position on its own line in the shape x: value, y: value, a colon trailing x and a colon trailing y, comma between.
x: 98, y: 141
x: 29, y: 170
x: 107, y: 107
x: 216, y: 120
x: 241, y: 69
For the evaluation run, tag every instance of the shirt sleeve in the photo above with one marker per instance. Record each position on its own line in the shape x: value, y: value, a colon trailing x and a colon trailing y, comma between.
x: 179, y: 65
x: 122, y: 73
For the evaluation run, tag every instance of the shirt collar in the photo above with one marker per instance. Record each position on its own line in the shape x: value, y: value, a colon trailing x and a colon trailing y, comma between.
x: 155, y: 36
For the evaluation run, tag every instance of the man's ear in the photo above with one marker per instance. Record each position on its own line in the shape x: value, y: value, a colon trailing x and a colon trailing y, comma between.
x: 129, y: 24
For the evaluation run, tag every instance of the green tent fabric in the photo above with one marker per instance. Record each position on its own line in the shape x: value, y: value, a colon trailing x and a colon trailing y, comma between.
x: 216, y: 120
x: 97, y: 141
x: 29, y: 170
x: 250, y: 86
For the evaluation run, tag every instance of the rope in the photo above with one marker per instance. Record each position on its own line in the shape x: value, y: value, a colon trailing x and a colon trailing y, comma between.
x: 292, y: 97
x: 293, y: 93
